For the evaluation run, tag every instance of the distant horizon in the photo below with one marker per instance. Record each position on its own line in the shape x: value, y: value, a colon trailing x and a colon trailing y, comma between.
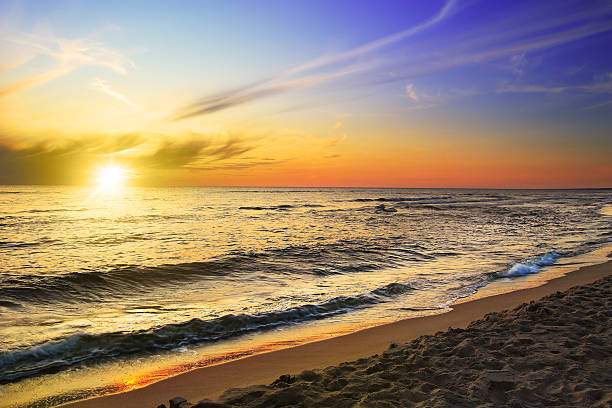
x: 325, y: 187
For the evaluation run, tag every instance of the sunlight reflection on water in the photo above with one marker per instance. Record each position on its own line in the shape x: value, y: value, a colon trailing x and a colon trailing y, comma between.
x: 177, y: 278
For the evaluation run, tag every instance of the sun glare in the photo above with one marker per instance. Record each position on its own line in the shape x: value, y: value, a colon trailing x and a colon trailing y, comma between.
x: 111, y: 177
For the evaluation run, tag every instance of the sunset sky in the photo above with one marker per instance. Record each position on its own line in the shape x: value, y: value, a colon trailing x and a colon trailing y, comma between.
x: 311, y: 93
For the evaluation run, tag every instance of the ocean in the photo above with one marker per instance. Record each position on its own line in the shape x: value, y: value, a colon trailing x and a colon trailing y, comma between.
x: 102, y: 293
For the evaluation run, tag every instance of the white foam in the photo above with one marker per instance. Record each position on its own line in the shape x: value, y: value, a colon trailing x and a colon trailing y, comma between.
x: 531, y: 266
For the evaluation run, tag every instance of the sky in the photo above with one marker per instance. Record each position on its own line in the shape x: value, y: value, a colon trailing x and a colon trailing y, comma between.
x: 503, y: 94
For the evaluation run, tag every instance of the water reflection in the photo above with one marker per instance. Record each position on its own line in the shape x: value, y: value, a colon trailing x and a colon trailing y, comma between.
x: 171, y: 279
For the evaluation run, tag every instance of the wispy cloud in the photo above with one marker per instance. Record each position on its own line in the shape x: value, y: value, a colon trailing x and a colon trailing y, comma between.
x: 479, y: 47
x: 410, y: 92
x: 530, y: 89
x: 433, y: 100
x: 603, y: 87
x: 598, y: 105
x: 35, y: 80
x: 332, y: 142
x: 242, y: 164
x: 194, y: 152
x: 233, y: 98
x: 12, y: 61
x: 370, y: 47
x: 341, y: 64
x: 422, y: 106
x: 67, y: 55
x: 523, y: 30
x: 518, y: 63
x: 171, y: 155
x: 101, y: 85
x: 49, y: 161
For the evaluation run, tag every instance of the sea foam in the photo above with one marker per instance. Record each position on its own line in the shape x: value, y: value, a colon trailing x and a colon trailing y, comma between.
x: 531, y: 266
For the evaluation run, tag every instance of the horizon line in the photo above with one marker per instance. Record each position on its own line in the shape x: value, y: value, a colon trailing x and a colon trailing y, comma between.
x: 320, y: 187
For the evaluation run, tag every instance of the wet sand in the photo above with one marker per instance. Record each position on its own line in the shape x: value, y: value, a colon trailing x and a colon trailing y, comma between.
x: 482, y: 361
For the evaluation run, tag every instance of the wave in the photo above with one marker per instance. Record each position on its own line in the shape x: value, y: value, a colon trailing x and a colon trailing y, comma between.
x: 53, y: 210
x: 399, y: 199
x: 421, y: 309
x: 274, y: 207
x: 280, y: 207
x: 455, y: 202
x: 530, y: 266
x: 9, y: 305
x: 383, y: 208
x: 340, y: 257
x: 96, y: 285
x: 437, y: 203
x: 55, y: 355
x: 19, y: 244
x: 116, y: 239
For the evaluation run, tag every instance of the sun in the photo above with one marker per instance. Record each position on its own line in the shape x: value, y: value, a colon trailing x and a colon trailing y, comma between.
x: 111, y: 177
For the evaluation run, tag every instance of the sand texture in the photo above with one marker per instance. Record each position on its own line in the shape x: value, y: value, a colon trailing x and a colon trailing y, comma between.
x: 553, y: 352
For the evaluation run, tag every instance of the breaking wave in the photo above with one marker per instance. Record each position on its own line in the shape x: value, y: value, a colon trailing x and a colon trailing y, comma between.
x: 530, y: 266
x: 56, y: 355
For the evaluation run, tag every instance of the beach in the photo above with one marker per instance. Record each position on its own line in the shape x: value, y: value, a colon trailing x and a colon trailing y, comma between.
x: 105, y: 296
x: 554, y: 351
x: 214, y: 204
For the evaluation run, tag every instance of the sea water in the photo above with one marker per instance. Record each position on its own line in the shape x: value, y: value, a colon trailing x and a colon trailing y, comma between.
x: 104, y: 291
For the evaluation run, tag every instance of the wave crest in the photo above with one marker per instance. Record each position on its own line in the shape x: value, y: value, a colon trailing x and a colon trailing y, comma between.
x: 54, y: 356
x: 531, y: 266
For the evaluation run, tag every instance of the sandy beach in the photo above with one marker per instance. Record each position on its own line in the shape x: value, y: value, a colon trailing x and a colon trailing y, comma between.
x: 555, y: 351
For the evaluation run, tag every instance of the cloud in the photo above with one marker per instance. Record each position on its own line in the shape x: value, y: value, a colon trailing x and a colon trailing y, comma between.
x: 604, y: 104
x: 171, y: 155
x: 51, y: 162
x: 332, y: 142
x: 520, y: 30
x: 429, y: 101
x: 102, y: 86
x: 423, y: 106
x: 604, y: 87
x: 35, y: 80
x: 70, y: 161
x: 66, y: 54
x: 518, y: 63
x: 338, y: 125
x: 233, y: 98
x: 193, y: 153
x: 410, y: 92
x: 231, y: 148
x: 12, y: 61
x: 368, y: 48
x: 240, y: 165
x: 297, y: 77
x: 479, y: 47
x: 530, y: 89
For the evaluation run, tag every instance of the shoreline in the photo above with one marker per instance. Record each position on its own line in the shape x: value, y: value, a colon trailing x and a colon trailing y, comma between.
x: 210, y: 382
